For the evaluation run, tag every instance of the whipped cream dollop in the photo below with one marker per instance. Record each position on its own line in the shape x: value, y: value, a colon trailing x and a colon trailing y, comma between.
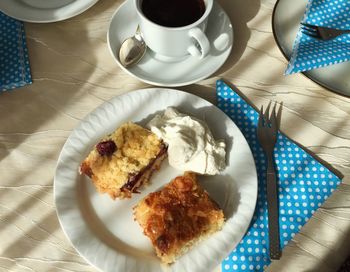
x: 191, y: 145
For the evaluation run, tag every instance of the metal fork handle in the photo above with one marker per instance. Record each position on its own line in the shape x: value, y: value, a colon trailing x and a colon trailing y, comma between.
x: 339, y: 31
x: 272, y: 207
x: 332, y: 33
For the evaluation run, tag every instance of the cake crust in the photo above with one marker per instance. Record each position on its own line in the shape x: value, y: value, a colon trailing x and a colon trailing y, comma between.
x: 124, y: 160
x: 178, y: 216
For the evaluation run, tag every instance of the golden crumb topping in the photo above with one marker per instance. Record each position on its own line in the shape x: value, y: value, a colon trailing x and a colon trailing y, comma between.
x: 177, y: 214
x: 120, y: 155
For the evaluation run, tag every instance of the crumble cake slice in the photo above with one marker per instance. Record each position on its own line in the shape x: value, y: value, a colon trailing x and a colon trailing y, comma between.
x: 178, y: 216
x: 124, y: 160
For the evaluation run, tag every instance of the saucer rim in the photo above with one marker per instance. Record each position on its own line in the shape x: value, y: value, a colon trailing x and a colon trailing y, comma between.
x: 44, y: 21
x: 164, y: 84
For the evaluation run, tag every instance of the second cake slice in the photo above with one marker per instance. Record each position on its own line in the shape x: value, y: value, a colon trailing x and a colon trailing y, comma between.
x: 178, y: 216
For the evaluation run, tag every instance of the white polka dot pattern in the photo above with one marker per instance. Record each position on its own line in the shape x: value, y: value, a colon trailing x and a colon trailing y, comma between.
x: 303, y: 184
x: 310, y: 53
x: 14, y: 63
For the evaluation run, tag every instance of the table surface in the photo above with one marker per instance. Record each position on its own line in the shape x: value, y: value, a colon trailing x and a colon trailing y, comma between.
x: 73, y: 73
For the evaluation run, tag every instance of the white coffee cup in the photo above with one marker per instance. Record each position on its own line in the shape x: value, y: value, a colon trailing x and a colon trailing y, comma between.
x: 176, y: 41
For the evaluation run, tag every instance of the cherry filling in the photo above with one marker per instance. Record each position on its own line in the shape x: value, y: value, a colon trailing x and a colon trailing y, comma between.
x: 132, y: 183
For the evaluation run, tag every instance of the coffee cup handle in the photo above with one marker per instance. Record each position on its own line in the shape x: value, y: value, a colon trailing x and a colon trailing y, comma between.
x: 198, y: 35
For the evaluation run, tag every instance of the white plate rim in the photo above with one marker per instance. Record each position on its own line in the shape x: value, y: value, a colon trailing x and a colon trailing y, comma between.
x: 161, y: 84
x: 252, y: 202
x: 87, y: 4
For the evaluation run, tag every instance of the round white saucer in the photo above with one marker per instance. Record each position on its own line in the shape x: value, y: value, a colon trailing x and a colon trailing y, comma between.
x: 172, y: 72
x: 44, y: 11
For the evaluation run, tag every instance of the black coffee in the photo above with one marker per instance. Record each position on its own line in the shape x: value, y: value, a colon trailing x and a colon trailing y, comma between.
x: 173, y: 13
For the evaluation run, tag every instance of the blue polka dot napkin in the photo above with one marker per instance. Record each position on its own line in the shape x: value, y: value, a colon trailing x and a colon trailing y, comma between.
x: 310, y: 53
x: 303, y: 184
x: 14, y: 63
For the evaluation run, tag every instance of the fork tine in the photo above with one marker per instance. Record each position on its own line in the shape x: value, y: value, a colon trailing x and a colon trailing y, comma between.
x: 306, y: 28
x: 261, y: 117
x: 308, y: 25
x: 309, y: 30
x: 273, y: 118
x: 312, y: 33
x: 267, y: 113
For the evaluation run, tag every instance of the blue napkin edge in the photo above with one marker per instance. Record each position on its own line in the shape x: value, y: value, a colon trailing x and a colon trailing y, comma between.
x: 325, y: 164
x: 296, y: 44
x: 24, y: 58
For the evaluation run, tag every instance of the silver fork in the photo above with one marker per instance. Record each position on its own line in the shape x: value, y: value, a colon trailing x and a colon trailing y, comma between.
x: 267, y: 136
x: 321, y: 32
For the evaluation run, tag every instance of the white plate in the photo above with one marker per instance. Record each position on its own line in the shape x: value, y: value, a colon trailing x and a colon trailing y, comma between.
x: 44, y: 11
x: 156, y: 70
x: 286, y: 18
x: 103, y: 231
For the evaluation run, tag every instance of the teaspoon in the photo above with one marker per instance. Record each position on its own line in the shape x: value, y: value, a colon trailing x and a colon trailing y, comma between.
x: 132, y: 49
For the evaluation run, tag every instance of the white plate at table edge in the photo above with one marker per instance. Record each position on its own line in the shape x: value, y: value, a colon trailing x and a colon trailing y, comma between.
x: 322, y: 76
x: 101, y: 241
x: 214, y: 60
x: 41, y: 15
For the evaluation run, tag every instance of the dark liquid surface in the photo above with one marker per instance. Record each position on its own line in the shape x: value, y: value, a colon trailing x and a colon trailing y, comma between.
x: 173, y: 13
